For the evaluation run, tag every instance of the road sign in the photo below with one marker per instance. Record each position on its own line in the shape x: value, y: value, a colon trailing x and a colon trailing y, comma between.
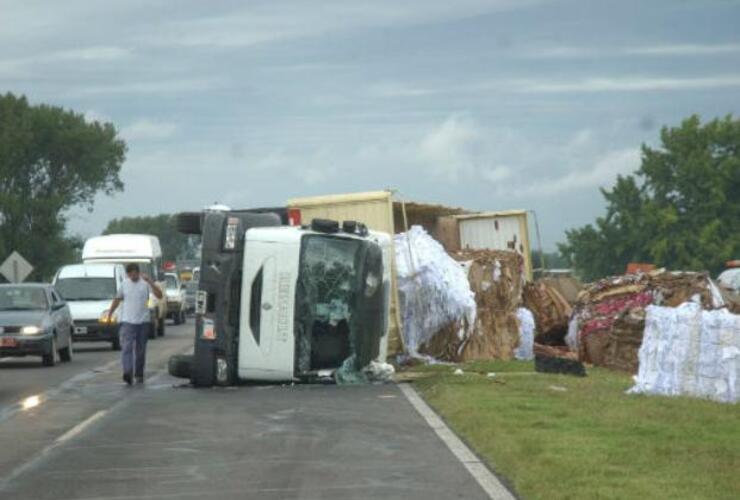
x: 16, y: 268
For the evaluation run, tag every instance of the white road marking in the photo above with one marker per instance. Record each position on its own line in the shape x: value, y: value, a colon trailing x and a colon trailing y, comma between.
x: 480, y: 472
x: 79, y: 427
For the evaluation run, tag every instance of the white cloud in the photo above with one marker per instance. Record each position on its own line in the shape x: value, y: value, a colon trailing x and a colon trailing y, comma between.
x: 448, y: 148
x: 603, y: 173
x: 581, y: 52
x: 146, y: 129
x: 257, y: 23
x: 95, y: 53
x: 629, y: 84
x: 496, y: 174
x: 163, y: 86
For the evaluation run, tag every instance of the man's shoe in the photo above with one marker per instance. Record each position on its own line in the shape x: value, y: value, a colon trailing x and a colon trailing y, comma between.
x: 127, y: 378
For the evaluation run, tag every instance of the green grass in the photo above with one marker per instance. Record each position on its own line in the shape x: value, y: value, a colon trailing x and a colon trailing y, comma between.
x: 590, y: 440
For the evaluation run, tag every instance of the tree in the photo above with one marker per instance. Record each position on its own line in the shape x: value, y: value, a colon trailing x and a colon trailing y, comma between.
x: 680, y: 210
x: 51, y: 159
x: 175, y: 245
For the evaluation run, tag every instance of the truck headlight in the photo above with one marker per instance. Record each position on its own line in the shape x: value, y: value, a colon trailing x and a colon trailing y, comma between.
x: 30, y: 330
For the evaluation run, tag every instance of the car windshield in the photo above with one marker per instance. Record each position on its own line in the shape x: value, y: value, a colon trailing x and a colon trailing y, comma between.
x: 730, y: 279
x: 171, y: 281
x: 22, y: 299
x: 86, y: 288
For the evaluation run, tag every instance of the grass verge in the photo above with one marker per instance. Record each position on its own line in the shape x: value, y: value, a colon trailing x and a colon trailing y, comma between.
x: 555, y: 436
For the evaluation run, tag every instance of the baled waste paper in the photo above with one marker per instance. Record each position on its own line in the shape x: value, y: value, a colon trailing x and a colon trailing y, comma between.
x: 460, y: 306
x: 550, y: 309
x: 434, y: 293
x: 608, y: 320
x: 689, y: 351
x: 495, y: 278
x: 526, y: 334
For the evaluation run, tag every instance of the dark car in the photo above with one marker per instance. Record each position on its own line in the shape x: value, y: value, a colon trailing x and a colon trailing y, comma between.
x: 35, y: 321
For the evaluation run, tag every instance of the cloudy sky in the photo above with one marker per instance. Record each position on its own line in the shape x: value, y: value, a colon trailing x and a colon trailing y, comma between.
x: 486, y: 104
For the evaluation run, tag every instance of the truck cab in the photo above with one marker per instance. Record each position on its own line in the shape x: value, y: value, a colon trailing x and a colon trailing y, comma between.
x: 283, y: 303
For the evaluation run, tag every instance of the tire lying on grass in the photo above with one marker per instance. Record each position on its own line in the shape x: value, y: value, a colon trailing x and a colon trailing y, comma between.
x: 180, y: 365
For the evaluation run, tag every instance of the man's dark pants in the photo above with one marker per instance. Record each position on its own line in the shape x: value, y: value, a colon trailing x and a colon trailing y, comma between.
x: 133, y: 347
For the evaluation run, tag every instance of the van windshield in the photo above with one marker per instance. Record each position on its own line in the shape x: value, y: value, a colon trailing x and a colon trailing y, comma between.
x: 86, y: 288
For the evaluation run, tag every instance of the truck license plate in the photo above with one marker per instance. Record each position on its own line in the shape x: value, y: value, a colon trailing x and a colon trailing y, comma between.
x: 81, y: 330
x: 8, y: 342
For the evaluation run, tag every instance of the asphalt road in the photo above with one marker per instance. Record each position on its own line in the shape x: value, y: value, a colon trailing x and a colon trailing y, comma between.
x: 89, y: 437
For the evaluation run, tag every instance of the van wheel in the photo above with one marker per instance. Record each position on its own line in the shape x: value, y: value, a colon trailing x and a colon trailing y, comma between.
x: 160, y: 327
x: 67, y: 353
x: 183, y: 317
x: 189, y: 222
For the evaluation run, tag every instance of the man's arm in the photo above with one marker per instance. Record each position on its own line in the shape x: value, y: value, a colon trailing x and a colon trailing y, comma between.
x: 155, y: 289
x: 113, y: 307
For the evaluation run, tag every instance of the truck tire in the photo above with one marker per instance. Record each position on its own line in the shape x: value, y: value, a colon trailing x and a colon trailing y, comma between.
x: 188, y: 222
x: 152, y: 331
x: 180, y: 365
x: 160, y: 327
x: 116, y: 344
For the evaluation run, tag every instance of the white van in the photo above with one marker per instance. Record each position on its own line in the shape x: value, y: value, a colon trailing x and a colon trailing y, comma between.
x: 144, y: 250
x: 89, y: 290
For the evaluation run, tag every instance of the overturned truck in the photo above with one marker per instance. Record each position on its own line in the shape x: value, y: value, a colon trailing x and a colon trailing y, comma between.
x: 284, y: 303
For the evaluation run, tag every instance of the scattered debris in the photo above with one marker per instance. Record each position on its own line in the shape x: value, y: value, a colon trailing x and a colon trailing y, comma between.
x: 458, y: 371
x: 558, y: 388
x: 490, y: 375
x: 551, y: 359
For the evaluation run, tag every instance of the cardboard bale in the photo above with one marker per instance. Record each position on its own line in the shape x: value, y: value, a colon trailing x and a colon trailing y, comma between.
x: 495, y: 277
x: 550, y: 309
x: 610, y: 312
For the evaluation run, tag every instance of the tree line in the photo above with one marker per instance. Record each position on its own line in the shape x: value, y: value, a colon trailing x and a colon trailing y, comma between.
x: 679, y: 210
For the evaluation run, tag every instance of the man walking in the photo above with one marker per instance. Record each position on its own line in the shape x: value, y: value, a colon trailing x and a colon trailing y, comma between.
x: 134, y: 320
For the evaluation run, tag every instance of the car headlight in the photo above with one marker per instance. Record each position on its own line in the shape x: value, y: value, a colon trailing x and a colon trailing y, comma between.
x: 107, y: 321
x: 30, y: 330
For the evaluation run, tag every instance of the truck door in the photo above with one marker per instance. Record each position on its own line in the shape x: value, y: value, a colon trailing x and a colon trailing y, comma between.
x: 266, y: 345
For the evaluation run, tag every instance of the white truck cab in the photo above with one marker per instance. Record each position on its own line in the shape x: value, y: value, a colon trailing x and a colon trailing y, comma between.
x: 292, y: 303
x: 142, y: 249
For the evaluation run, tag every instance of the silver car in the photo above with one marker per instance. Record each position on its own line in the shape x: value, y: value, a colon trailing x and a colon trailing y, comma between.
x: 35, y: 321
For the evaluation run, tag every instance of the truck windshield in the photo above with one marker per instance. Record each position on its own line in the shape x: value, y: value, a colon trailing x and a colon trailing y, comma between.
x: 86, y: 288
x: 336, y: 285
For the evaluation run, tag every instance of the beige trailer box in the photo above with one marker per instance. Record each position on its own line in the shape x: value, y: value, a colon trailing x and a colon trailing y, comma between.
x: 507, y: 230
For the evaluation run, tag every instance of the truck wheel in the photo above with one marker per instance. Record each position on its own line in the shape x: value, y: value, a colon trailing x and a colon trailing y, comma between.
x: 160, y: 327
x: 180, y: 365
x: 183, y: 317
x: 188, y: 222
x: 116, y: 344
x: 152, y: 333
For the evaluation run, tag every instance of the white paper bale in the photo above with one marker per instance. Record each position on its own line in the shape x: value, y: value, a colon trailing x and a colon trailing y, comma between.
x: 433, y: 288
x: 687, y: 351
x: 525, y: 350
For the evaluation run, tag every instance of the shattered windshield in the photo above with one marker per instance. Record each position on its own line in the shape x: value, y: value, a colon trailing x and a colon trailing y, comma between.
x: 335, y: 288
